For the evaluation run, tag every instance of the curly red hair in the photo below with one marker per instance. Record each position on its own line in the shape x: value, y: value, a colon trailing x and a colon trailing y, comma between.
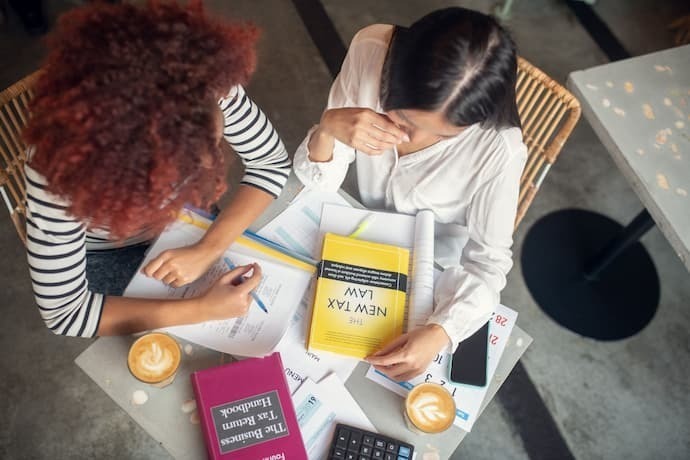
x: 125, y: 116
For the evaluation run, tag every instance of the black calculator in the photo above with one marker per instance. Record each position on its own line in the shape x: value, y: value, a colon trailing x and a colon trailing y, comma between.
x: 350, y: 443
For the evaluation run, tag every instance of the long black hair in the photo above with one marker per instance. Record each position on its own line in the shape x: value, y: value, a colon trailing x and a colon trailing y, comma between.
x: 457, y: 61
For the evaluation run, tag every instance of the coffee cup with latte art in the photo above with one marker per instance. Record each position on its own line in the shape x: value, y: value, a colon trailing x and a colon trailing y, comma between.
x: 429, y: 408
x: 154, y: 358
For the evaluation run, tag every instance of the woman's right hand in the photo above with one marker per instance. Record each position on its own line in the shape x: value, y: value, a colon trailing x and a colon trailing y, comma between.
x: 362, y: 129
x: 229, y: 296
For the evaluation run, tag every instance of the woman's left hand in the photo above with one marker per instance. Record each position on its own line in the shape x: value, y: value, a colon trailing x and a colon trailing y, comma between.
x: 410, y: 354
x: 180, y: 266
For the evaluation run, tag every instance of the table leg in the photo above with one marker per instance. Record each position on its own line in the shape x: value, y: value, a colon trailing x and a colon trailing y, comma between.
x: 630, y: 234
x: 607, y: 294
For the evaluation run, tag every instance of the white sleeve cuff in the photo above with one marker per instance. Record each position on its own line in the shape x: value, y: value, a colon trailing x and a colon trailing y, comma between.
x: 322, y: 175
x: 462, y: 323
x: 462, y: 304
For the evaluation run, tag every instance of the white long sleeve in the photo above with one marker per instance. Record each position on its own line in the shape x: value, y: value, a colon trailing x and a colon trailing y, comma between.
x: 470, y: 181
x: 348, y: 90
x: 466, y: 294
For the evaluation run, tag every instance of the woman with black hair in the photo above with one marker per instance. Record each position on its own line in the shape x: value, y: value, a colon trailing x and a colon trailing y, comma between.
x: 429, y: 115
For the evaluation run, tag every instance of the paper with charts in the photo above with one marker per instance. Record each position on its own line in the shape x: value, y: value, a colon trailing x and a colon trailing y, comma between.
x: 297, y: 227
x: 468, y: 399
x: 256, y: 334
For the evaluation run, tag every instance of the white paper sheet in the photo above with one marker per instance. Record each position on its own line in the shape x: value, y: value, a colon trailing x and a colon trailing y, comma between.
x: 255, y: 334
x: 387, y: 228
x: 468, y: 399
x: 297, y: 227
x: 319, y: 407
x: 301, y: 364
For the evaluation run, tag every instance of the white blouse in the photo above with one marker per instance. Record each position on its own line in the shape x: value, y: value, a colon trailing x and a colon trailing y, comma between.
x: 470, y: 182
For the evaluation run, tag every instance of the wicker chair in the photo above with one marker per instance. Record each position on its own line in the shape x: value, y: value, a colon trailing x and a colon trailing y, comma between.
x: 14, y: 113
x: 548, y: 113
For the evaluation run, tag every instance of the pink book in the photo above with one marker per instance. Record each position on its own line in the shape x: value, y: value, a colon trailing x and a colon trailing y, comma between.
x: 246, y: 411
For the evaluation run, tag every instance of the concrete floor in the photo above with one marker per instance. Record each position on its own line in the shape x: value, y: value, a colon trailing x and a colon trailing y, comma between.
x: 625, y: 399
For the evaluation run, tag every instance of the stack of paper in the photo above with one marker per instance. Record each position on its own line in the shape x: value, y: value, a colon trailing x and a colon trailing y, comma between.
x: 256, y: 334
x: 297, y: 228
x: 301, y: 227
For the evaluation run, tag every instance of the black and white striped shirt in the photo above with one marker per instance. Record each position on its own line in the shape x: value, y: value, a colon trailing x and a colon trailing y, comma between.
x: 57, y: 243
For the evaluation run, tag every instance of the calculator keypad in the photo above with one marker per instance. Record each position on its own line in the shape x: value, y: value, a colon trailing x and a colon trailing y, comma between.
x: 350, y: 443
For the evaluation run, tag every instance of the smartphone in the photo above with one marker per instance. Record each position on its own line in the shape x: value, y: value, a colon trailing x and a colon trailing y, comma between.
x: 468, y: 364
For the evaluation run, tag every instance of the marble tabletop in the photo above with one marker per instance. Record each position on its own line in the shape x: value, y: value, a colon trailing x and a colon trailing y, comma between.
x: 640, y: 109
x: 168, y: 415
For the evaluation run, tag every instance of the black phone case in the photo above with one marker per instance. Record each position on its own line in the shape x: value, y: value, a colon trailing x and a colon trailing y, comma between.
x: 468, y: 364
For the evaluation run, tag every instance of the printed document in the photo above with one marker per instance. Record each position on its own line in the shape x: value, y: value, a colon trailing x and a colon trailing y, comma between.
x: 256, y: 334
x: 319, y: 406
x: 299, y: 363
x: 297, y: 228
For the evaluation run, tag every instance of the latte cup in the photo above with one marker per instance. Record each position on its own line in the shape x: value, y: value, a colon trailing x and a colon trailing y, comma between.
x: 154, y: 359
x: 429, y: 408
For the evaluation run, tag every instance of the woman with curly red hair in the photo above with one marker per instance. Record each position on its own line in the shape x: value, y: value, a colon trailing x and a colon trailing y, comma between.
x: 126, y: 123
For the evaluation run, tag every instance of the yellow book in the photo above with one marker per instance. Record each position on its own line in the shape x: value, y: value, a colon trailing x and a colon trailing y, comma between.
x: 360, y: 296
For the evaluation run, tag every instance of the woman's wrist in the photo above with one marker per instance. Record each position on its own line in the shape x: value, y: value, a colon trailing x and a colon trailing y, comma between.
x: 212, y: 246
x: 197, y: 309
x: 321, y: 145
x: 440, y: 336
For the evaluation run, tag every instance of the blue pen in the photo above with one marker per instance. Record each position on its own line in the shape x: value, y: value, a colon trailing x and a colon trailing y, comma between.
x: 256, y: 298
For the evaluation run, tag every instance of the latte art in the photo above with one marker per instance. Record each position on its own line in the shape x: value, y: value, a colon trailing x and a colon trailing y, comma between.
x: 154, y: 358
x: 430, y: 408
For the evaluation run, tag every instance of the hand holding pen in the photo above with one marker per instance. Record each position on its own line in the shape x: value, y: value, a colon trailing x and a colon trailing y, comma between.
x: 254, y: 295
x: 231, y: 295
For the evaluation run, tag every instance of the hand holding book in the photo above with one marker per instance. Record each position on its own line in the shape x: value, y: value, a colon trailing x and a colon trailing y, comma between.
x: 411, y: 353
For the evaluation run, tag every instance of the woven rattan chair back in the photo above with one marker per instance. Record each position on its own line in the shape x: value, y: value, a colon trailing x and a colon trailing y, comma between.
x: 14, y: 114
x: 548, y: 113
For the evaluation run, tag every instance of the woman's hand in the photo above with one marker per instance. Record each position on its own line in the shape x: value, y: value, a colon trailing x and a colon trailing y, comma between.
x: 362, y: 129
x: 180, y: 266
x: 229, y: 296
x: 410, y: 354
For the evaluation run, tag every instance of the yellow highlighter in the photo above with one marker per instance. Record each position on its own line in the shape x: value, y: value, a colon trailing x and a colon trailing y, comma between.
x: 363, y: 225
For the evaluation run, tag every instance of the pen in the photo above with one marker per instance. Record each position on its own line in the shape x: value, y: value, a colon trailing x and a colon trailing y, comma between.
x: 256, y: 298
x: 363, y: 225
